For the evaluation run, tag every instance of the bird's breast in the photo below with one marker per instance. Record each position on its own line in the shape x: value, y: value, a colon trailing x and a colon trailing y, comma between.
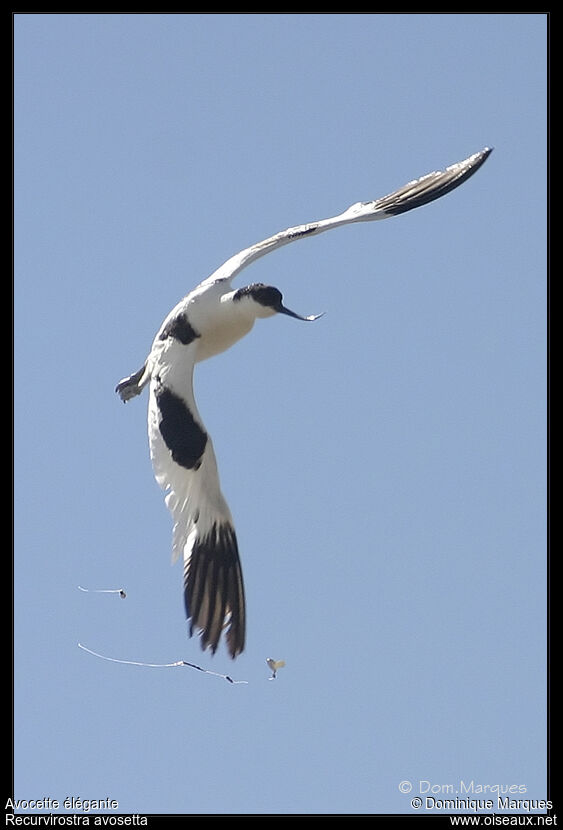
x: 207, y: 321
x: 219, y: 334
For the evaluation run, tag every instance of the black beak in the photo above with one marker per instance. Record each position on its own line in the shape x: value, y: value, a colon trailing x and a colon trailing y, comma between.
x: 283, y: 310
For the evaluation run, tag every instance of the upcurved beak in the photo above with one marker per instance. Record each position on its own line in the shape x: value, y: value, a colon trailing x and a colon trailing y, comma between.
x: 283, y: 310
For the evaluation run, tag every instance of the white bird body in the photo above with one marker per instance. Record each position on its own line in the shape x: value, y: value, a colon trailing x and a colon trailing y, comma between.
x: 219, y: 321
x: 209, y: 320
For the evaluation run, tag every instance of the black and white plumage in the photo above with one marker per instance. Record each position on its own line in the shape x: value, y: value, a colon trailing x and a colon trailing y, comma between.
x: 209, y: 320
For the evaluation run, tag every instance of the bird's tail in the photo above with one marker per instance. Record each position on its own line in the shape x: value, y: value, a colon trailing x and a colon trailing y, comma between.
x: 214, y: 588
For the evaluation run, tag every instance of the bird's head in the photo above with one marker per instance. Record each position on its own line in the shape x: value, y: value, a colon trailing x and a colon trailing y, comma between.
x: 267, y: 301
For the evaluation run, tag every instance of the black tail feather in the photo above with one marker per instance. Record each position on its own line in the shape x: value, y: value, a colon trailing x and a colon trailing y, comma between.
x: 214, y: 590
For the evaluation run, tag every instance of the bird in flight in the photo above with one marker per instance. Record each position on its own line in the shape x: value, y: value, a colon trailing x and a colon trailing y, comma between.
x: 210, y: 319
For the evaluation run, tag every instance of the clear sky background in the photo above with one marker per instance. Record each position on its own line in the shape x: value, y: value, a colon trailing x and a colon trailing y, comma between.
x: 385, y: 465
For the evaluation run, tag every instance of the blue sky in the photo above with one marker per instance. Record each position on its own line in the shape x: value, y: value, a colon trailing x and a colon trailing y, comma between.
x: 385, y: 465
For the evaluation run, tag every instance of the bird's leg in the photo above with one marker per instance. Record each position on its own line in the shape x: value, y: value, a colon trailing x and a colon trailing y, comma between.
x: 131, y: 386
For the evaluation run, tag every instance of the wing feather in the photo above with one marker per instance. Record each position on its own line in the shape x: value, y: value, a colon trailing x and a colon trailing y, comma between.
x: 412, y: 195
x: 185, y: 467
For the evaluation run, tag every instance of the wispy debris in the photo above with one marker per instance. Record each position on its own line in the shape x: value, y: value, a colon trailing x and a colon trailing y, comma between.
x: 161, y: 665
x: 274, y: 665
x: 119, y: 591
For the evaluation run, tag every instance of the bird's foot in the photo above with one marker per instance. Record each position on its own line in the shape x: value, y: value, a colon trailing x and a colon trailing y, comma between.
x: 129, y: 387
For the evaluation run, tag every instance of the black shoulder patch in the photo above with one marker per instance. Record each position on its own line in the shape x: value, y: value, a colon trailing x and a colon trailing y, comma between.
x: 214, y: 590
x: 180, y: 329
x: 182, y: 434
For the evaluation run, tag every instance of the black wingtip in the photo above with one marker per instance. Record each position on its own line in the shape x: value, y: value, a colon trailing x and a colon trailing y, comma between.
x: 432, y: 186
x: 483, y: 156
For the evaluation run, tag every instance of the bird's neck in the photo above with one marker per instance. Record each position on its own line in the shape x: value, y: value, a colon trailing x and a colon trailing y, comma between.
x: 221, y: 325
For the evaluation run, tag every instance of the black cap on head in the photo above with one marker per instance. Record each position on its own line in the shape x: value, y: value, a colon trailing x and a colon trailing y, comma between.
x: 270, y: 297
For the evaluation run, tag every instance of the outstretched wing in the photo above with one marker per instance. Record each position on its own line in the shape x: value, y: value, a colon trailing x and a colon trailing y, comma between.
x: 185, y: 467
x: 414, y: 194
